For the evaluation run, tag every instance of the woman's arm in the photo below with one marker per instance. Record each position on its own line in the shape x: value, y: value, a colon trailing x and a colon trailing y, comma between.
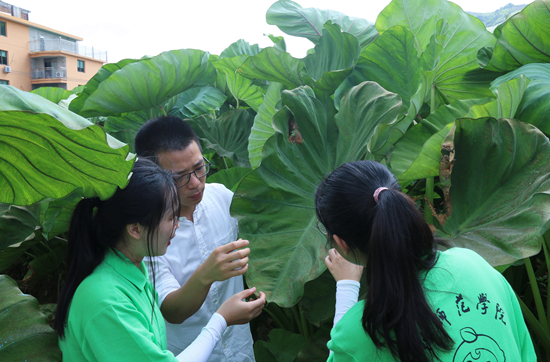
x: 233, y: 311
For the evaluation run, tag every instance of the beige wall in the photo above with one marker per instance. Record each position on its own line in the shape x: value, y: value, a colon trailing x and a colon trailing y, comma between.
x: 76, y: 78
x: 16, y: 43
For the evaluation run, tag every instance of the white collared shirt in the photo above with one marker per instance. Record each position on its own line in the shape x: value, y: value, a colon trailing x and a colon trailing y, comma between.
x: 213, y: 226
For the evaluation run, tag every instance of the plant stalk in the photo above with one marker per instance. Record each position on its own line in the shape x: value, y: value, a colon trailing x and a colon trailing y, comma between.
x: 305, y: 324
x: 536, y: 294
x: 537, y: 329
x: 297, y: 318
x: 547, y: 259
x: 430, y: 195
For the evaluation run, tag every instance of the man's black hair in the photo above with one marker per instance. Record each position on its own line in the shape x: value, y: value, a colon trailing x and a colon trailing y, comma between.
x: 164, y: 134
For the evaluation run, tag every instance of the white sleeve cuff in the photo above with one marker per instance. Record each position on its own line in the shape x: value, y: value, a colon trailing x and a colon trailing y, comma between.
x: 347, y: 294
x: 203, y: 345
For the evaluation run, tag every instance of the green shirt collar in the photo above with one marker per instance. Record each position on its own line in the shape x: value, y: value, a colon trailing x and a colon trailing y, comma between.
x: 122, y: 265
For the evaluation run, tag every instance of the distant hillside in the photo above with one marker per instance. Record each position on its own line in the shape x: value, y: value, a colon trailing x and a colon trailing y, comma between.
x: 493, y: 19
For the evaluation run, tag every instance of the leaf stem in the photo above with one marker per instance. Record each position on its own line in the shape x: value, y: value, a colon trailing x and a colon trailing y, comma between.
x: 430, y: 195
x: 536, y: 294
x: 305, y: 324
x: 537, y: 329
x: 163, y: 110
x: 297, y: 318
x: 546, y: 238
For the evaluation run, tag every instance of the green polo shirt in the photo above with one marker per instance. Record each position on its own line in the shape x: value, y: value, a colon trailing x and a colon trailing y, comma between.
x: 474, y: 302
x: 112, y: 318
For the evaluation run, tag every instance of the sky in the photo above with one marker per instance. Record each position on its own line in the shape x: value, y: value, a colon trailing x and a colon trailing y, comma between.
x: 132, y: 29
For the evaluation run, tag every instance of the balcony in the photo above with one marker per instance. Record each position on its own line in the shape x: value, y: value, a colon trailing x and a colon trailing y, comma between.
x: 56, y: 45
x: 49, y: 73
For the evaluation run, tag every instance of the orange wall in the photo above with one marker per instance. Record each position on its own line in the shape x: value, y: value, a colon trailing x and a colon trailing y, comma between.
x: 16, y: 43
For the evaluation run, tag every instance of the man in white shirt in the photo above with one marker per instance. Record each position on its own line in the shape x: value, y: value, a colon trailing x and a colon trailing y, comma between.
x: 204, y: 265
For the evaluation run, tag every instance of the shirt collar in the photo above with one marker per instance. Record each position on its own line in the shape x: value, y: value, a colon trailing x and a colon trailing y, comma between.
x: 122, y: 265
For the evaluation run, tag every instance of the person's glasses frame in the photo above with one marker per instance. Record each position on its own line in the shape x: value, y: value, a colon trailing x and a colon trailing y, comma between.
x: 198, y: 174
x: 321, y: 228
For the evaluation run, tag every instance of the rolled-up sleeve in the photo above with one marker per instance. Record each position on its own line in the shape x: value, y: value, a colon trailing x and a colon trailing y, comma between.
x: 161, y: 276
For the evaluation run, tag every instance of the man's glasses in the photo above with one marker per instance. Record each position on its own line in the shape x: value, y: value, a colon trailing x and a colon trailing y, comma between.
x: 182, y: 180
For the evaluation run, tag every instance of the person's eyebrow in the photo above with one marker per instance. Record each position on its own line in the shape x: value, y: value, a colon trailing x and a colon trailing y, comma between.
x: 184, y: 171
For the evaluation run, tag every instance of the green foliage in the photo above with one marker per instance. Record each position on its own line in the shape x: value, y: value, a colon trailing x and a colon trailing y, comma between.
x: 467, y: 142
x: 521, y: 40
x: 48, y: 157
x: 24, y: 332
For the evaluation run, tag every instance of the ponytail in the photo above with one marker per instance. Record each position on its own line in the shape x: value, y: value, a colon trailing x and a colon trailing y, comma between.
x: 397, y: 314
x: 362, y: 203
x: 85, y: 253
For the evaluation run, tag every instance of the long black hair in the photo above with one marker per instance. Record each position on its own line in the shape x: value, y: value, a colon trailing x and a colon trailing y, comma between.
x: 397, y: 244
x: 97, y: 226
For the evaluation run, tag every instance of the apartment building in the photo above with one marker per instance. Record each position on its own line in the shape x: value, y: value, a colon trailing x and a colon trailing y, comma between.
x: 34, y: 56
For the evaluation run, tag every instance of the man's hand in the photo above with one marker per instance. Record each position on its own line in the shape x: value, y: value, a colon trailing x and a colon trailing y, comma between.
x: 341, y: 269
x: 225, y: 262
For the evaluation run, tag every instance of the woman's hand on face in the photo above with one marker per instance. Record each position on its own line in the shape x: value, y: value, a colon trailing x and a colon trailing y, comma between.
x: 225, y: 262
x: 341, y: 269
x: 237, y: 311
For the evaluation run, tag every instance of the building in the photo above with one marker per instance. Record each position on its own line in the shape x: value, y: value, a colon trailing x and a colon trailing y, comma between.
x: 34, y: 56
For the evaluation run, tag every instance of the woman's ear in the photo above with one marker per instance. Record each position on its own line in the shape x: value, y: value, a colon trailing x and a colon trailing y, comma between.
x: 342, y: 245
x: 135, y: 230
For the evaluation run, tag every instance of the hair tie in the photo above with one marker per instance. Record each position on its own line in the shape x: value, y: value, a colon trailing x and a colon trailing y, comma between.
x: 377, y: 192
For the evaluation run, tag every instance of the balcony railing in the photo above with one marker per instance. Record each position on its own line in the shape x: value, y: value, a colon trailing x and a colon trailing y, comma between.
x: 49, y: 72
x: 56, y: 45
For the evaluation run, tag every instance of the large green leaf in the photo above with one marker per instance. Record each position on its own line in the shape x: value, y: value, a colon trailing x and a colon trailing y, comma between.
x: 283, y: 345
x: 521, y: 40
x: 535, y: 104
x: 103, y: 73
x: 47, y: 157
x: 10, y: 255
x: 230, y: 177
x: 262, y: 128
x: 499, y: 202
x: 198, y: 101
x: 147, y: 83
x: 317, y: 304
x: 24, y: 331
x: 240, y: 47
x: 274, y: 65
x: 332, y: 59
x: 308, y: 23
x: 18, y: 225
x: 53, y: 94
x: 363, y: 109
x: 55, y: 216
x: 227, y: 135
x: 509, y: 96
x: 240, y: 87
x: 418, y: 154
x: 289, y: 251
x: 392, y: 62
x: 125, y: 126
x: 456, y: 38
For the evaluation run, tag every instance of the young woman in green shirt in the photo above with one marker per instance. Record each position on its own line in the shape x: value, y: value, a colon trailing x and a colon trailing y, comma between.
x: 108, y: 309
x: 421, y: 304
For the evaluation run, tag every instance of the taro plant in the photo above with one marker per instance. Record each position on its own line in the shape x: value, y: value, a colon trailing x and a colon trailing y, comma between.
x: 456, y: 112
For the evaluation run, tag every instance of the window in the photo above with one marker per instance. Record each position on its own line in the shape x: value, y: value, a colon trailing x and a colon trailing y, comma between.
x: 3, y: 57
x: 2, y: 28
x: 80, y: 66
x: 4, y: 82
